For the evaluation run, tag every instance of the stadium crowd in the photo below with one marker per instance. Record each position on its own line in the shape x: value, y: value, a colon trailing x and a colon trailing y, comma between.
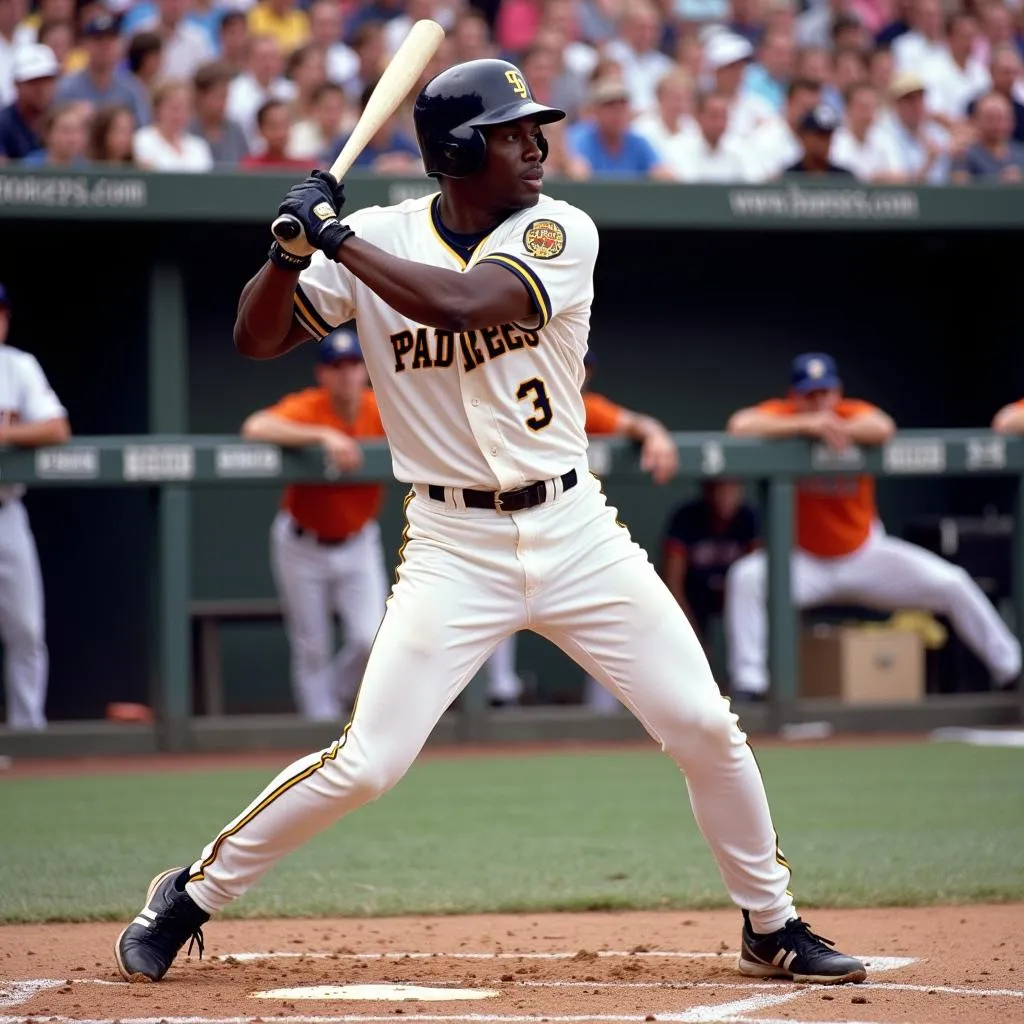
x: 683, y: 90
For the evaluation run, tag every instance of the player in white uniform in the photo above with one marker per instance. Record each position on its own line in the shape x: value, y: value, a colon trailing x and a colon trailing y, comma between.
x: 473, y: 306
x: 30, y: 415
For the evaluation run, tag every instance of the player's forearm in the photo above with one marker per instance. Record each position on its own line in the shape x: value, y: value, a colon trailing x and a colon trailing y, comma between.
x: 751, y: 423
x: 638, y: 427
x: 432, y: 296
x: 42, y: 432
x: 872, y: 428
x: 265, y: 323
x: 263, y: 426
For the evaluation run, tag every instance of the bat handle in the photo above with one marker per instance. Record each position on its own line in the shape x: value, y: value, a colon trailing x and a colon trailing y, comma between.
x: 286, y: 228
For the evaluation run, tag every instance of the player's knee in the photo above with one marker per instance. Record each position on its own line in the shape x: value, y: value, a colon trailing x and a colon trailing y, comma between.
x: 953, y: 582
x: 701, y: 730
x: 23, y: 634
x: 371, y: 777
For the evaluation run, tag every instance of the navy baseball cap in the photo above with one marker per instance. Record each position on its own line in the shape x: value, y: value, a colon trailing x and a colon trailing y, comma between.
x: 338, y: 345
x: 814, y: 371
x: 822, y: 119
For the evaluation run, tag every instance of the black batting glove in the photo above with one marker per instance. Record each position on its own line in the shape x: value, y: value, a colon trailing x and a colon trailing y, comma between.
x: 315, y: 203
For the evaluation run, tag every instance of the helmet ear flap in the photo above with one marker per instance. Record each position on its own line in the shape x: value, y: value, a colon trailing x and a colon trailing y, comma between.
x: 464, y: 151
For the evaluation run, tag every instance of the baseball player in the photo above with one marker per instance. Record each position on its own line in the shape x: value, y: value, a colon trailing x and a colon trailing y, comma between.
x: 658, y: 456
x: 30, y: 415
x: 325, y: 544
x: 473, y: 306
x: 1010, y: 419
x: 843, y: 551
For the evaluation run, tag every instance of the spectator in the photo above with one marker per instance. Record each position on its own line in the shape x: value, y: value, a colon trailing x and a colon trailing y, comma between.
x: 368, y: 46
x: 727, y: 57
x: 306, y: 69
x: 145, y: 59
x: 185, y: 45
x: 855, y: 143
x: 849, y: 69
x: 745, y: 20
x: 325, y: 32
x: 914, y: 148
x: 441, y: 11
x: 770, y: 77
x: 606, y: 146
x: 814, y: 26
x: 310, y: 138
x: 235, y: 40
x: 30, y: 25
x: 775, y: 146
x: 954, y: 76
x: 374, y: 12
x: 111, y: 134
x: 516, y: 24
x: 703, y: 539
x: 31, y: 416
x: 912, y: 50
x: 815, y: 132
x: 671, y: 122
x: 166, y: 144
x: 472, y: 37
x: 390, y: 151
x: 64, y: 136
x: 224, y: 136
x: 995, y: 156
x: 848, y: 33
x: 35, y: 78
x: 1005, y: 69
x: 842, y: 549
x: 815, y: 64
x: 263, y: 81
x: 636, y: 52
x: 996, y: 23
x: 59, y: 36
x: 898, y: 25
x: 566, y: 89
x: 578, y: 56
x: 881, y: 70
x: 713, y: 156
x: 273, y: 124
x: 325, y: 542
x: 282, y: 20
x: 103, y: 81
x: 13, y: 35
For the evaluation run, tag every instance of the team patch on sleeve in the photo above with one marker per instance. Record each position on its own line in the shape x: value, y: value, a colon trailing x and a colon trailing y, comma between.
x: 544, y: 239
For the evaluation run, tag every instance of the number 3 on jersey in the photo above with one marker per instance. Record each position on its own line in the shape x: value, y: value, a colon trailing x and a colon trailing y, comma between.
x: 534, y: 387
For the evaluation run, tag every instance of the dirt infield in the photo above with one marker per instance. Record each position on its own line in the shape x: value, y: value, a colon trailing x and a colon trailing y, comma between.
x: 931, y: 965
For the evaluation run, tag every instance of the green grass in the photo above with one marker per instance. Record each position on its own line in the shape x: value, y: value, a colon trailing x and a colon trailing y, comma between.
x: 884, y: 825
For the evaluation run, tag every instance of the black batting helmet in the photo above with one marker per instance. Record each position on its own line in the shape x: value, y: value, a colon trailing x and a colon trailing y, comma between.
x: 454, y: 105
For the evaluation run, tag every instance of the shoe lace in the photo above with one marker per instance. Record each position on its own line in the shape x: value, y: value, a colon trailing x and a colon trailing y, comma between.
x: 801, y: 932
x: 196, y: 939
x: 178, y: 924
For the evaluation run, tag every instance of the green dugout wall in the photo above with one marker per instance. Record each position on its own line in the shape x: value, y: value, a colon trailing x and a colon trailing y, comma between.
x: 703, y: 295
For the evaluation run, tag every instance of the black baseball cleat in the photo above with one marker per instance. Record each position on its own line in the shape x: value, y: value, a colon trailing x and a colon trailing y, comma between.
x: 148, y: 946
x: 795, y: 952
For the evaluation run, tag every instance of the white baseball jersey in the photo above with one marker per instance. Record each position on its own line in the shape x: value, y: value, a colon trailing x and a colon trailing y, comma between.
x: 465, y: 410
x: 25, y: 397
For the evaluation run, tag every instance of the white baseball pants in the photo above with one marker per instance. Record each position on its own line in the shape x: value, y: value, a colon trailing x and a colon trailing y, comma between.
x: 22, y: 621
x: 469, y: 577
x: 315, y: 581
x: 884, y: 572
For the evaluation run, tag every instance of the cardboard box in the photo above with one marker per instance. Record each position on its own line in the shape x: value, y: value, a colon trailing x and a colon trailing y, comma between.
x: 862, y: 666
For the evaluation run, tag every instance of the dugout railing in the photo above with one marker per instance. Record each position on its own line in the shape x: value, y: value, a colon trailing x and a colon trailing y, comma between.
x: 172, y: 465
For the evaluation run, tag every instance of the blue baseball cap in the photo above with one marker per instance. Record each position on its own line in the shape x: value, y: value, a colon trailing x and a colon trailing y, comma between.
x: 338, y: 345
x: 814, y: 371
x: 4, y: 300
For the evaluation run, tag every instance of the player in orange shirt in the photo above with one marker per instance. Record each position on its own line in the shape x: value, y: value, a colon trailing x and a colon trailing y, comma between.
x: 842, y: 550
x: 325, y: 543
x: 1010, y: 419
x: 659, y: 457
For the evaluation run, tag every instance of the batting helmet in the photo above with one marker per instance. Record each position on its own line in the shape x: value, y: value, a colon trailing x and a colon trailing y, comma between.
x: 454, y: 105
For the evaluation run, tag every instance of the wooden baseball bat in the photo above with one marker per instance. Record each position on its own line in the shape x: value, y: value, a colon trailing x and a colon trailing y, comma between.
x: 401, y: 74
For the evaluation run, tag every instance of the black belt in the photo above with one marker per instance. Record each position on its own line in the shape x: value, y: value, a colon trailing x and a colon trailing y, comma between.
x: 325, y: 542
x: 507, y: 501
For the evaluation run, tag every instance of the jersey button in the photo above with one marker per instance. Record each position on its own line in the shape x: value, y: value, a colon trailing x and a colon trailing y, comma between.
x: 494, y: 450
x: 475, y: 402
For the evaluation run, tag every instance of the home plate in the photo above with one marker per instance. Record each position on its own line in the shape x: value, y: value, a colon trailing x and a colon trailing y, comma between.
x: 397, y: 993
